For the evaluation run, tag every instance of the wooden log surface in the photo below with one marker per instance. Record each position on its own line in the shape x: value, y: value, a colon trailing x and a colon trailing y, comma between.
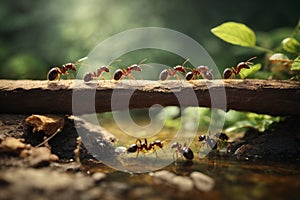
x: 273, y: 97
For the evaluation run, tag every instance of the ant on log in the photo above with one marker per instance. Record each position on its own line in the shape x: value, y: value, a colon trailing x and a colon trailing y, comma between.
x: 204, y: 71
x: 183, y: 150
x: 164, y: 74
x: 228, y: 72
x: 91, y: 75
x: 120, y: 73
x: 145, y: 147
x: 55, y: 72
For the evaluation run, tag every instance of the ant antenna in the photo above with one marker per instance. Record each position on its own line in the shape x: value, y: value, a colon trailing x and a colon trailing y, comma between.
x: 248, y: 61
x: 185, y: 61
x: 81, y: 60
x: 113, y: 61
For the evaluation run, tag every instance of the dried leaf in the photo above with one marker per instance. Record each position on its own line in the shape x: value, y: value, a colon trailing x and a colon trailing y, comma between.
x: 48, y: 124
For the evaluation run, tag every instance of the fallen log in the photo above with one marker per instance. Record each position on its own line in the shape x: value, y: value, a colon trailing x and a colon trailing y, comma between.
x: 273, y: 97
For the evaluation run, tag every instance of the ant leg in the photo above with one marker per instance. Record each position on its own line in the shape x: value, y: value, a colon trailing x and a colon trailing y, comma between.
x: 156, y: 155
x: 137, y: 154
x: 178, y: 77
x: 140, y: 76
x: 175, y: 153
x: 102, y: 78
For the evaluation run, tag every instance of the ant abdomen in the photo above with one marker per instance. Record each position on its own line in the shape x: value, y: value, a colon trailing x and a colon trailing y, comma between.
x: 227, y: 73
x: 88, y: 77
x: 53, y: 74
x: 163, y: 75
x: 132, y: 148
x: 187, y: 153
x: 189, y: 76
x: 118, y: 74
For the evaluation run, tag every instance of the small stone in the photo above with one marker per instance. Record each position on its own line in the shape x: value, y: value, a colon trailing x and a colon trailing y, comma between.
x: 13, y: 145
x: 120, y: 150
x: 98, y: 176
x: 202, y: 182
x: 164, y: 176
x: 183, y: 183
x: 40, y: 157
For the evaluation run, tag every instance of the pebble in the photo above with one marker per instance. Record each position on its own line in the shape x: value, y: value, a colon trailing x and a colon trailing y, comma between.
x: 98, y: 177
x: 164, y: 176
x: 120, y: 150
x: 183, y: 183
x: 196, y: 180
x: 202, y: 182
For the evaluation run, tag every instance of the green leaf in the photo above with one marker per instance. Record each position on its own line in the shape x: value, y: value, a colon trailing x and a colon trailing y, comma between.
x: 296, y: 64
x: 246, y: 72
x: 291, y: 45
x: 235, y: 33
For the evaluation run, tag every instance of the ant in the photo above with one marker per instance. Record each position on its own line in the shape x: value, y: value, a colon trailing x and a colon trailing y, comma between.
x: 119, y: 73
x: 164, y: 74
x: 204, y: 71
x: 144, y: 147
x: 55, y: 72
x: 90, y: 76
x: 232, y: 71
x: 213, y: 143
x: 183, y: 150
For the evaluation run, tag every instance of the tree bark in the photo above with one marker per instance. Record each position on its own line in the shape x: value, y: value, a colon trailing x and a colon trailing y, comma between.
x: 274, y: 97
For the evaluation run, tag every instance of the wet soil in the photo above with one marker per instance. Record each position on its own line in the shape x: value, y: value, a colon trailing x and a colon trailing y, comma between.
x: 257, y: 166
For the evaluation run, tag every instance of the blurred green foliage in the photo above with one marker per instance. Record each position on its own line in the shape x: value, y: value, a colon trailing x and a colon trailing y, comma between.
x: 38, y: 35
x: 235, y: 122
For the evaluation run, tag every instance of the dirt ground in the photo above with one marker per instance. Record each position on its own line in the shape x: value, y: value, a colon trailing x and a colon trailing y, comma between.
x: 60, y: 169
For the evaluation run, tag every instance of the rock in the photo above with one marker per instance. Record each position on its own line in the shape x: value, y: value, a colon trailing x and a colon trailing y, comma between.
x: 13, y: 145
x: 98, y: 177
x: 163, y: 176
x: 202, y: 182
x: 120, y: 150
x: 41, y: 156
x: 183, y: 183
x: 48, y: 124
x: 166, y: 177
x: 23, y: 183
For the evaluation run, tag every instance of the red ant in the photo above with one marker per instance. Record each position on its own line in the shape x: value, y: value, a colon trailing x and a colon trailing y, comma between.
x: 232, y: 71
x: 119, y: 73
x: 184, y: 150
x: 55, y: 72
x: 204, y: 71
x: 144, y: 147
x: 164, y: 74
x: 91, y: 75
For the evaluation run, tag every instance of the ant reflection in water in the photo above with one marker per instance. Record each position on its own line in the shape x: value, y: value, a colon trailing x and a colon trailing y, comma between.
x: 145, y: 147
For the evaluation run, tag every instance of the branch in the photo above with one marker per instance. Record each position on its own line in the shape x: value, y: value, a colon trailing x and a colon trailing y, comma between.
x: 272, y: 97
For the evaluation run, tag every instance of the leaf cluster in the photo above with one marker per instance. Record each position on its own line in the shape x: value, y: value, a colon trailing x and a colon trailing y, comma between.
x: 285, y: 58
